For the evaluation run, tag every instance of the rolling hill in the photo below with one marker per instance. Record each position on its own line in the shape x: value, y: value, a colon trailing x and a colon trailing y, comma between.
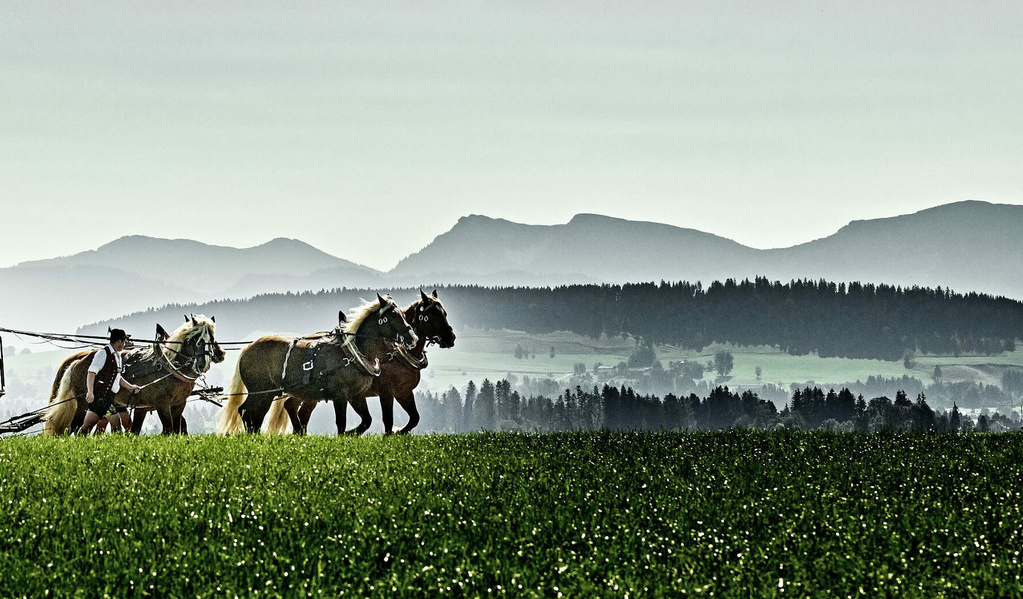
x: 135, y: 272
x: 966, y: 246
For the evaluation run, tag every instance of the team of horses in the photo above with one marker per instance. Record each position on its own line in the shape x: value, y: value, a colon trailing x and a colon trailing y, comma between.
x: 378, y: 350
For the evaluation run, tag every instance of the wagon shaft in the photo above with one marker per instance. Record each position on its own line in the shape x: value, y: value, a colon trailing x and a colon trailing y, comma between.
x: 20, y: 423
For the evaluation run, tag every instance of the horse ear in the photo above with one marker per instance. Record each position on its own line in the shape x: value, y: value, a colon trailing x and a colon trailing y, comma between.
x: 341, y: 316
x: 423, y: 294
x: 213, y: 319
x: 194, y: 323
x: 435, y: 293
x: 108, y: 330
x: 186, y: 318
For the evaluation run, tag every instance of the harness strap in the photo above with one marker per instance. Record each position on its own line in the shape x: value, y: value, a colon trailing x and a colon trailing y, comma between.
x: 284, y: 369
x: 310, y: 363
x: 412, y: 361
x: 353, y: 351
x: 177, y: 373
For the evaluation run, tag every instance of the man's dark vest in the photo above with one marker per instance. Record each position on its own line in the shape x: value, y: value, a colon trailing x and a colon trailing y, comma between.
x: 106, y: 375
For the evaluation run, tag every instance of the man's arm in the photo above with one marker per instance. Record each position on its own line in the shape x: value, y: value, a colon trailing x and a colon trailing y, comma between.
x: 90, y: 383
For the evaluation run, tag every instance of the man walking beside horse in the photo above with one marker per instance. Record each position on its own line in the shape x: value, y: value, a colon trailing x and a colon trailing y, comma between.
x: 103, y: 381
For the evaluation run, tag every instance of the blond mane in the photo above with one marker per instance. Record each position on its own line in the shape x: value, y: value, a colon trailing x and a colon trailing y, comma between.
x: 187, y: 331
x: 360, y: 313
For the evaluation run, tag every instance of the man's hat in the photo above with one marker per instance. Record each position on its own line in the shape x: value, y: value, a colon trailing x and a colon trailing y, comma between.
x: 117, y: 335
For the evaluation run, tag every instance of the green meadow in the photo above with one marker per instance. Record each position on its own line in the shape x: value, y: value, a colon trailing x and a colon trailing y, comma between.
x: 490, y: 354
x: 729, y: 514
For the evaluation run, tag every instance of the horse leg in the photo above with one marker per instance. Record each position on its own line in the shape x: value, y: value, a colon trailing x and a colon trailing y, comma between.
x: 387, y: 411
x: 305, y: 412
x: 138, y: 418
x: 253, y: 411
x: 79, y: 419
x: 409, y: 404
x: 166, y: 419
x: 362, y: 409
x: 292, y: 406
x: 340, y: 414
x: 176, y: 419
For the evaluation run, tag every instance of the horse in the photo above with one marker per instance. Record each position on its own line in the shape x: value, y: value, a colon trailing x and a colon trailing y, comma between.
x: 339, y: 367
x: 166, y: 372
x: 399, y: 374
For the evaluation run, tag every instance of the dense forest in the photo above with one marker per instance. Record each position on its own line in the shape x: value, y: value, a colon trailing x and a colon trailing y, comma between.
x: 854, y: 320
x: 495, y: 406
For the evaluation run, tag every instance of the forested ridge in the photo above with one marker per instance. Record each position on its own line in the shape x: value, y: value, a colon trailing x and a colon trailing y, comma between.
x: 854, y: 320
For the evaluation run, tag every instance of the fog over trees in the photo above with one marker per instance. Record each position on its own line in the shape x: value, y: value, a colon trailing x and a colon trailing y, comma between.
x: 496, y: 406
x: 854, y: 320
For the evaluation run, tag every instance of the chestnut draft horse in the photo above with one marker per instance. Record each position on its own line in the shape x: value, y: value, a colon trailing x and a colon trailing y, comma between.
x: 339, y: 366
x: 400, y: 373
x: 166, y: 372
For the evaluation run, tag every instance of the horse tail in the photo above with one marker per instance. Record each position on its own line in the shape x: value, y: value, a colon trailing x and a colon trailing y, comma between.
x: 58, y: 416
x: 60, y: 373
x: 277, y: 420
x: 230, y: 415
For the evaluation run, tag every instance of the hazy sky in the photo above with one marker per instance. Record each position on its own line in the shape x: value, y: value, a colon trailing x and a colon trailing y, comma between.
x: 368, y: 128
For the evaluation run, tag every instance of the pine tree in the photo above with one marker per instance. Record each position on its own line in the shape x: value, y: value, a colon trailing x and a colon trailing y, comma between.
x: 468, y: 421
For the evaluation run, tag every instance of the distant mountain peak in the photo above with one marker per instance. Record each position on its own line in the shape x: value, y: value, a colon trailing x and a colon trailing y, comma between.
x: 287, y: 241
x: 480, y: 220
x: 589, y: 217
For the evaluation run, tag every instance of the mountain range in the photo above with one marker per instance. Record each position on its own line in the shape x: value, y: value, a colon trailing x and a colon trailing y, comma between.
x: 966, y: 246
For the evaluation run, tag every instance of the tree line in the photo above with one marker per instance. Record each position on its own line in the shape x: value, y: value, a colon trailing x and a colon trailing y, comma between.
x: 496, y: 406
x: 854, y: 320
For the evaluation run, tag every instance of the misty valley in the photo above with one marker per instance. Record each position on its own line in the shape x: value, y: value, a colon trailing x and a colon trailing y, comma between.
x: 524, y: 353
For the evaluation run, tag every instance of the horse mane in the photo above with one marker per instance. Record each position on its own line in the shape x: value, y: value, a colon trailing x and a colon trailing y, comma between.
x: 187, y: 330
x: 360, y: 313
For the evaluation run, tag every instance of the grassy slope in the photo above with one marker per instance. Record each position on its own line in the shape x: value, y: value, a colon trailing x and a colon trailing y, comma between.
x: 738, y: 514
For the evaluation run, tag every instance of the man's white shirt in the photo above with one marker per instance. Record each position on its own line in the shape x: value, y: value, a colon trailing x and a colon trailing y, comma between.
x: 99, y: 359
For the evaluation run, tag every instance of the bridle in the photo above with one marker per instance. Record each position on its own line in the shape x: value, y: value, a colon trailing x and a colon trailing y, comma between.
x: 423, y: 316
x: 198, y: 362
x: 399, y: 336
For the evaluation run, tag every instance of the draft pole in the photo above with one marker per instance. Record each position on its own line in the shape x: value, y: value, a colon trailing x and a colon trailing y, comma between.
x: 3, y: 380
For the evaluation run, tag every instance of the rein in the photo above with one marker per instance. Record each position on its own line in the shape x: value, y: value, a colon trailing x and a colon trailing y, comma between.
x: 177, y: 373
x: 204, y: 350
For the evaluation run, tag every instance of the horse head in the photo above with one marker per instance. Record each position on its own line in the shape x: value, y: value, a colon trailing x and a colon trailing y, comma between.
x: 430, y: 320
x: 382, y: 320
x: 197, y: 343
x: 392, y: 323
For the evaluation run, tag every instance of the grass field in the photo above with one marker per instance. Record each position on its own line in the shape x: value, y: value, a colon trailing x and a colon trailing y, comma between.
x: 735, y: 514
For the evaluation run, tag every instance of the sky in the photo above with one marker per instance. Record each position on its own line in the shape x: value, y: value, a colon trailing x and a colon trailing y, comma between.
x: 368, y: 128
